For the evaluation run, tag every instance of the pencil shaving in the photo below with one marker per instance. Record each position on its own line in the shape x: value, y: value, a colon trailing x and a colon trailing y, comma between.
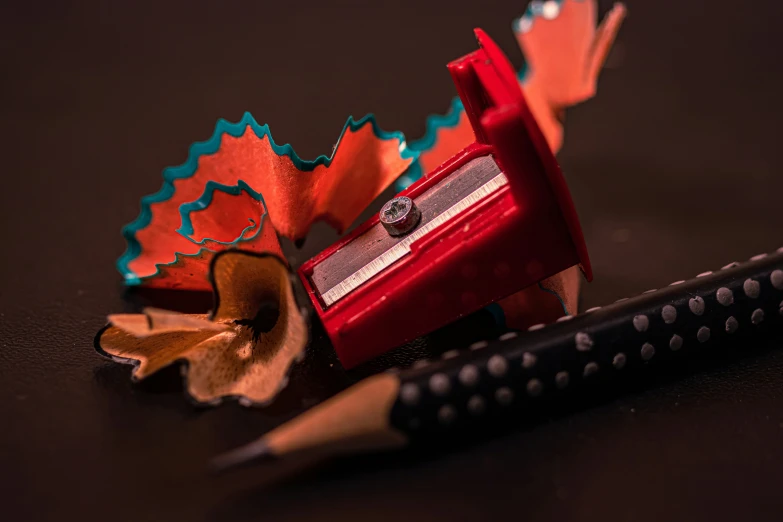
x: 244, y: 350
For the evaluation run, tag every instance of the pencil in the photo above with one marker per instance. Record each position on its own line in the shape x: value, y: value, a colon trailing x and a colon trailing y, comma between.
x: 491, y: 381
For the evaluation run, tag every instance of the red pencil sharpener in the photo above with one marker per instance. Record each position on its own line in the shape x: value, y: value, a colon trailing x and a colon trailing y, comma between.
x: 492, y: 220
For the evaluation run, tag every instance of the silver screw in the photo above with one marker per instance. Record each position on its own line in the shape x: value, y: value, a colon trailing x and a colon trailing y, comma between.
x: 399, y: 216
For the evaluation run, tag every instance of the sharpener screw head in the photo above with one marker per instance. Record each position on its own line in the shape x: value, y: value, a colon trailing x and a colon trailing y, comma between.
x: 399, y: 216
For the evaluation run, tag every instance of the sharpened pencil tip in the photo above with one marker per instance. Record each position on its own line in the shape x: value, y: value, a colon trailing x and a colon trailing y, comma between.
x: 241, y: 456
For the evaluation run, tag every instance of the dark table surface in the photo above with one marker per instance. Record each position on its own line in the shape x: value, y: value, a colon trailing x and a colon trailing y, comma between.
x: 674, y: 169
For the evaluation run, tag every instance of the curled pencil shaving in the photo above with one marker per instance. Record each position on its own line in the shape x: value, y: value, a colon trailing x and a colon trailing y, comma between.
x: 219, y: 205
x: 245, y: 349
x: 564, y: 54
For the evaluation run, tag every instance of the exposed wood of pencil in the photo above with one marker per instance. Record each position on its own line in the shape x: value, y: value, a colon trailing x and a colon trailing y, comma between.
x: 355, y: 420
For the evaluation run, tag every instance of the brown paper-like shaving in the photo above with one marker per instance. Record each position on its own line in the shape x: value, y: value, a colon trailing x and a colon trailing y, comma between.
x: 245, y: 349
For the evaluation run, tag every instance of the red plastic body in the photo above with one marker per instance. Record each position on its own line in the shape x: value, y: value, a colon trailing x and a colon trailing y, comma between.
x: 526, y: 231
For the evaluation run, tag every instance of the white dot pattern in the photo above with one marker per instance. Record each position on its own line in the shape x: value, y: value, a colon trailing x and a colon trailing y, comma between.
x: 476, y: 405
x: 447, y: 414
x: 497, y: 366
x: 696, y: 305
x: 583, y: 342
x: 409, y: 393
x: 776, y: 278
x: 724, y: 296
x: 504, y: 396
x: 468, y: 376
x: 641, y: 323
x: 479, y: 345
x: 703, y: 335
x: 440, y: 384
x: 751, y: 288
x: 648, y: 351
x: 534, y: 387
x: 731, y: 325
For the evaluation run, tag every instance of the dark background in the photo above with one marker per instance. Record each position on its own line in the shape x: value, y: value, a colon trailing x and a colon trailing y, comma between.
x: 674, y: 168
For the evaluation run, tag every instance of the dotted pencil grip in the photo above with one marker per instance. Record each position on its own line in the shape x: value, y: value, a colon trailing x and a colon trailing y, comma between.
x: 494, y: 380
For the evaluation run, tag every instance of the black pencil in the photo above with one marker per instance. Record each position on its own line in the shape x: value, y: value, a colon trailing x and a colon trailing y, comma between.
x: 492, y: 380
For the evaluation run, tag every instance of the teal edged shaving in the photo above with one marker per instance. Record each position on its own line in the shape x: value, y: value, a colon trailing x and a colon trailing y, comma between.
x: 211, y: 146
x: 186, y: 209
